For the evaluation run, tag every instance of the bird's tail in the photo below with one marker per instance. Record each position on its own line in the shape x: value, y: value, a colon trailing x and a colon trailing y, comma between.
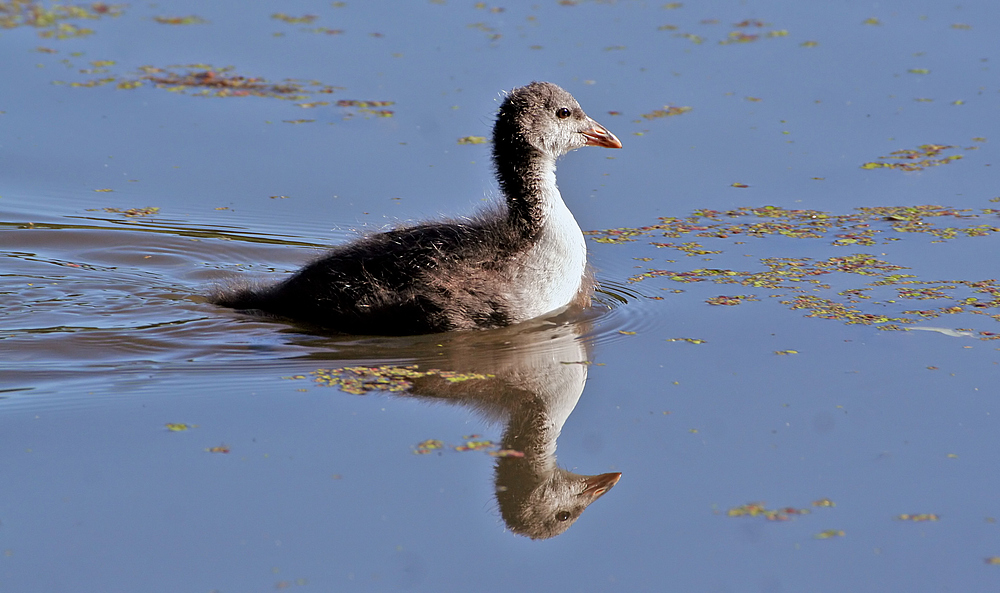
x: 240, y: 294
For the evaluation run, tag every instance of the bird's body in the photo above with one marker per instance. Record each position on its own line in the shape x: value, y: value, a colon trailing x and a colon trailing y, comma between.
x: 515, y: 262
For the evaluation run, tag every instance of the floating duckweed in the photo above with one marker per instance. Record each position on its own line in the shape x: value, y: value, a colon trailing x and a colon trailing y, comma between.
x: 667, y: 111
x: 926, y: 155
x: 393, y: 379
x: 472, y: 140
x: 830, y: 533
x: 179, y: 20
x: 759, y: 509
x: 795, y: 280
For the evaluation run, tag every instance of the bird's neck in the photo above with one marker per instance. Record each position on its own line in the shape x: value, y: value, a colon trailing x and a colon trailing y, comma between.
x: 527, y: 178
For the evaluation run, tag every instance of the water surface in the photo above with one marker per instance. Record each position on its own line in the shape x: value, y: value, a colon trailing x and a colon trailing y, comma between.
x: 755, y: 375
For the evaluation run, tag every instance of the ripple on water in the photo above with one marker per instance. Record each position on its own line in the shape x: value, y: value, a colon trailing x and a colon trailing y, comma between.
x: 103, y: 301
x: 627, y: 309
x: 120, y: 290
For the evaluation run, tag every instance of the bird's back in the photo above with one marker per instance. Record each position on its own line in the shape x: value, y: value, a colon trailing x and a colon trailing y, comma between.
x: 427, y: 278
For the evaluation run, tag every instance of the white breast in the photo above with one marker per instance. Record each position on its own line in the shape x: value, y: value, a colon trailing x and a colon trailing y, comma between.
x: 552, y: 270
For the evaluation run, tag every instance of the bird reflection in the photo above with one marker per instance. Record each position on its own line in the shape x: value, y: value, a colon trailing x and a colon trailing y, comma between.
x: 534, y: 377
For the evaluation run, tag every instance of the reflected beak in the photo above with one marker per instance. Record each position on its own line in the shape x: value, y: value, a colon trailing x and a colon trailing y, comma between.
x: 598, y: 485
x: 598, y: 135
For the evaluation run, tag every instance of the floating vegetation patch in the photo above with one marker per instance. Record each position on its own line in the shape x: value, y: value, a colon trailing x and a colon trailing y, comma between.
x: 759, y: 509
x: 367, y: 107
x: 697, y: 39
x: 484, y: 6
x: 830, y: 533
x: 180, y: 20
x: 130, y: 212
x: 742, y: 37
x: 392, y: 379
x: 746, y: 31
x: 730, y: 300
x: 205, y: 80
x: 688, y: 249
x: 325, y: 31
x: 52, y: 20
x: 472, y: 140
x: 890, y: 296
x: 491, y: 33
x: 925, y: 155
x: 688, y: 340
x: 428, y: 446
x: 667, y: 111
x: 472, y: 442
x: 294, y: 20
x: 209, y: 81
x: 863, y: 227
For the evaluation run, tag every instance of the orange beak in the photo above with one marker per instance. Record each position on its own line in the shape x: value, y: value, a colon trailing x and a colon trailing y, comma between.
x: 598, y: 135
x: 598, y: 485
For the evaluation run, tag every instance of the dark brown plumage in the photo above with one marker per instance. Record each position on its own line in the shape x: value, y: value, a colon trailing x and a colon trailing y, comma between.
x: 507, y: 265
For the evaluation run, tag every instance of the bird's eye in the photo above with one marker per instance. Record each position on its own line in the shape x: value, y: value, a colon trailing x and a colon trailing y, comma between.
x: 562, y: 516
x: 563, y: 113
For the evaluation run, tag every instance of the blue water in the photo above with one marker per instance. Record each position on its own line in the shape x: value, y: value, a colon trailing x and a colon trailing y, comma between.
x: 106, y: 338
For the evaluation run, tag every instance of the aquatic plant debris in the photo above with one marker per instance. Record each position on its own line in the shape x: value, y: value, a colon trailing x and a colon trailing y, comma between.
x: 368, y: 107
x: 130, y: 212
x: 890, y: 296
x: 51, y: 19
x: 667, y: 111
x: 471, y: 443
x: 475, y: 445
x: 180, y: 20
x: 221, y: 82
x: 745, y: 31
x: 295, y: 20
x: 392, y: 379
x: 730, y: 300
x: 428, y: 446
x: 506, y: 453
x: 759, y: 509
x: 205, y: 80
x: 830, y: 533
x: 696, y: 39
x: 925, y: 155
x: 689, y: 249
x: 918, y: 518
